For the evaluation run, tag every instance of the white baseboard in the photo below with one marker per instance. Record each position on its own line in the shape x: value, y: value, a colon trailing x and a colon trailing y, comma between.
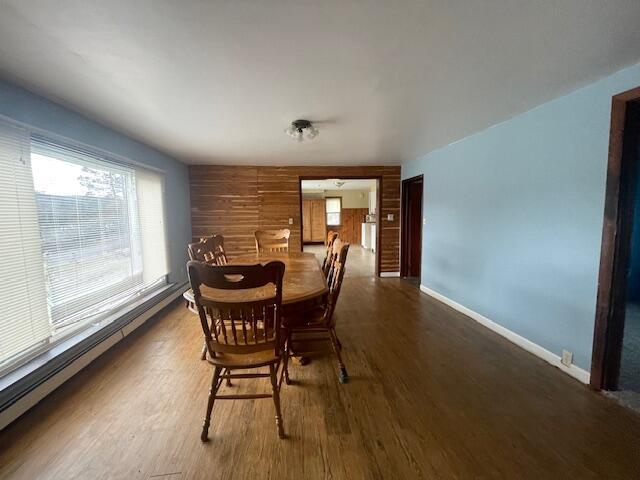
x: 389, y: 274
x: 550, y: 357
x: 41, y: 391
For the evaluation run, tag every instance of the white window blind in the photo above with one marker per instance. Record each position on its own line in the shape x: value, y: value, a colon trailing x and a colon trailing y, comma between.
x: 101, y: 223
x: 149, y: 188
x: 80, y: 237
x: 24, y: 319
x: 333, y: 206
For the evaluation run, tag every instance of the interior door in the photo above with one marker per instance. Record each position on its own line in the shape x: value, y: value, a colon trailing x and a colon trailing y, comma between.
x: 318, y: 221
x: 306, y: 220
x: 415, y: 229
x: 411, y: 249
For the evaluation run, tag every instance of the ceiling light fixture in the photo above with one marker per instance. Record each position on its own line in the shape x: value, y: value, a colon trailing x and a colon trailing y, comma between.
x: 298, y: 128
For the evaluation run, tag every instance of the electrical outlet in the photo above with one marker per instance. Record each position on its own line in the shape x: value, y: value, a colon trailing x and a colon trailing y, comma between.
x: 390, y: 217
x: 567, y: 358
x: 291, y: 221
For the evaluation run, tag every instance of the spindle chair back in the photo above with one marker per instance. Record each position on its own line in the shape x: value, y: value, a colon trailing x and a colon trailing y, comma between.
x: 209, y: 250
x: 272, y: 241
x: 243, y: 332
x: 329, y: 257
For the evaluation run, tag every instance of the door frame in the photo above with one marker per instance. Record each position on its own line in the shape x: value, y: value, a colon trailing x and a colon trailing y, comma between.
x: 378, y: 179
x: 404, y: 224
x: 614, y: 255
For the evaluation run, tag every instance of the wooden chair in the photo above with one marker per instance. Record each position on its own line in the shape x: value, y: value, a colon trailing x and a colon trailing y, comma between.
x: 329, y: 257
x: 209, y: 250
x: 320, y: 324
x: 243, y: 333
x: 272, y: 240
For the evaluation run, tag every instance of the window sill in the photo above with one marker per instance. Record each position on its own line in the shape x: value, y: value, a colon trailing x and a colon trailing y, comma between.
x: 19, y: 382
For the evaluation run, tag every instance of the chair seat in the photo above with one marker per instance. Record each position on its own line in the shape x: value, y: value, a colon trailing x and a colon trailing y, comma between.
x: 244, y: 360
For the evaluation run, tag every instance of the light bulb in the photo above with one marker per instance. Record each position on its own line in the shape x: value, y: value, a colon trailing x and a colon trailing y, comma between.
x: 299, y: 136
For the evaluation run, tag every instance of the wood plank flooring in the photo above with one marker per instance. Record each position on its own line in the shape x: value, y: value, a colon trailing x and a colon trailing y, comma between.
x: 432, y: 395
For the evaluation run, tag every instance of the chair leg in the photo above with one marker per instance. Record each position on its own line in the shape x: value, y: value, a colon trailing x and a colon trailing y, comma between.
x: 343, y: 376
x: 338, y: 343
x: 276, y: 400
x: 203, y: 354
x: 228, y: 372
x: 286, y: 366
x: 212, y: 396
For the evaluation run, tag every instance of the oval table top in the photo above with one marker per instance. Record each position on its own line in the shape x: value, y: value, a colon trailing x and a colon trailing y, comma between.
x: 303, y: 279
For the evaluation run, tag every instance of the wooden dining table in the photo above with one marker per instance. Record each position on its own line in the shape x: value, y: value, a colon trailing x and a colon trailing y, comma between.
x: 303, y: 286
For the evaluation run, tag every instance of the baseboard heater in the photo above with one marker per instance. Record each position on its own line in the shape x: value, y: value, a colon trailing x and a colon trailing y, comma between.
x: 21, y: 391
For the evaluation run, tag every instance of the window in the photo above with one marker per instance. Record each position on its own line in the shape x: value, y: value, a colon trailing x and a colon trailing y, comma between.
x: 333, y: 209
x: 82, y: 236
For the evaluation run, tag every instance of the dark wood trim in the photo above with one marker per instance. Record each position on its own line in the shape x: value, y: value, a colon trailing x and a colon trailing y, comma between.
x: 609, y: 324
x: 379, y: 196
x: 301, y: 219
x: 378, y: 178
x: 404, y: 240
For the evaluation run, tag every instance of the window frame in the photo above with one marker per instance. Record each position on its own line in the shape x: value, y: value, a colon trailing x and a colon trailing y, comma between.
x: 96, y: 159
x: 103, y: 325
x: 65, y: 330
x: 326, y: 213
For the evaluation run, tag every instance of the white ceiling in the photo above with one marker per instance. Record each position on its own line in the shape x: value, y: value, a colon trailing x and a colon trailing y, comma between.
x: 329, y: 184
x: 219, y: 81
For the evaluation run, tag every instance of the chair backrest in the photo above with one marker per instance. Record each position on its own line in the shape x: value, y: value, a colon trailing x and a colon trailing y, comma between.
x: 272, y: 240
x: 331, y: 236
x: 329, y: 257
x: 208, y: 249
x: 336, y: 246
x: 335, y: 278
x: 246, y: 325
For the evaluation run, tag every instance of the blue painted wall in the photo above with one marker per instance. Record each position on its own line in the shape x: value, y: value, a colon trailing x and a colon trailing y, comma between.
x: 514, y: 217
x: 26, y: 107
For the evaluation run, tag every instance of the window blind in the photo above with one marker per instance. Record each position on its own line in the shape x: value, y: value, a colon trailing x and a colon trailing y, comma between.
x: 24, y: 318
x: 81, y: 236
x: 150, y: 192
x: 101, y: 224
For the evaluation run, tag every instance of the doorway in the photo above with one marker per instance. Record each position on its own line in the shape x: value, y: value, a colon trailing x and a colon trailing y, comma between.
x: 616, y: 348
x: 411, y: 243
x: 348, y: 206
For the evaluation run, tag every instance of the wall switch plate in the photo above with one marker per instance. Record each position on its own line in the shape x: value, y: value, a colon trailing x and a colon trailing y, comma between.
x: 291, y: 221
x: 390, y: 217
x: 567, y: 358
x: 424, y: 221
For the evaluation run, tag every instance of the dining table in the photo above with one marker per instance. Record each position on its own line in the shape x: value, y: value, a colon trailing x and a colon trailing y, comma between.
x: 303, y: 285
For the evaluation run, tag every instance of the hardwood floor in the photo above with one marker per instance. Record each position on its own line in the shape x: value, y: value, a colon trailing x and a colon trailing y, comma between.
x: 432, y: 395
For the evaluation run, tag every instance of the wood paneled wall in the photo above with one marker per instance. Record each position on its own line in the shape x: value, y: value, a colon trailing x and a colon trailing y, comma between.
x: 351, y: 228
x: 236, y: 200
